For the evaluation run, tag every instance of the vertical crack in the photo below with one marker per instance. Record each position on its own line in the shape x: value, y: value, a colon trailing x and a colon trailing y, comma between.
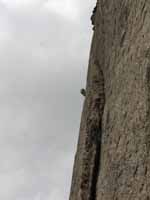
x: 96, y: 170
x: 92, y: 150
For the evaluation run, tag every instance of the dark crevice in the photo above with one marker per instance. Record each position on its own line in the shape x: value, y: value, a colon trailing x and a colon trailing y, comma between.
x: 89, y: 179
x: 96, y: 131
x: 96, y: 169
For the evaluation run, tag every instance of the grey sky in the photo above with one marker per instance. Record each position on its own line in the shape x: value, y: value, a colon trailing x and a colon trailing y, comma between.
x: 44, y: 48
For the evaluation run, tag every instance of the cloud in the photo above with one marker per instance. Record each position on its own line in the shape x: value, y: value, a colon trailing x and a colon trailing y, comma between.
x: 18, y: 4
x: 43, y: 63
x: 67, y: 8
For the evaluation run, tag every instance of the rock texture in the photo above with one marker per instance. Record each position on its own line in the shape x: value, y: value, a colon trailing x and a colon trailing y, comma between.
x: 113, y: 154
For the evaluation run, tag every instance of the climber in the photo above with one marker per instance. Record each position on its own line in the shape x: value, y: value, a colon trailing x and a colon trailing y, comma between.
x: 83, y: 92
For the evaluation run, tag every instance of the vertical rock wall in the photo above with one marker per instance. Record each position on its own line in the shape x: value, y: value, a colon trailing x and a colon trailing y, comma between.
x: 116, y: 163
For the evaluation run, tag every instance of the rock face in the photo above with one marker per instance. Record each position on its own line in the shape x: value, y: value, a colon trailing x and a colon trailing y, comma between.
x: 112, y: 161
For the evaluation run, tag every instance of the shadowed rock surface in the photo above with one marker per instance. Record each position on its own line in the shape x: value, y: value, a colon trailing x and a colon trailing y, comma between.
x: 112, y: 161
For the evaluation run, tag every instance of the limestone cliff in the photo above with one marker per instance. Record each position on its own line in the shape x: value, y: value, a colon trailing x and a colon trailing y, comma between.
x: 113, y: 154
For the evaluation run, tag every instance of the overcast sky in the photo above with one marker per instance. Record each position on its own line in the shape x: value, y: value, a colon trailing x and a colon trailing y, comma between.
x: 44, y: 49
